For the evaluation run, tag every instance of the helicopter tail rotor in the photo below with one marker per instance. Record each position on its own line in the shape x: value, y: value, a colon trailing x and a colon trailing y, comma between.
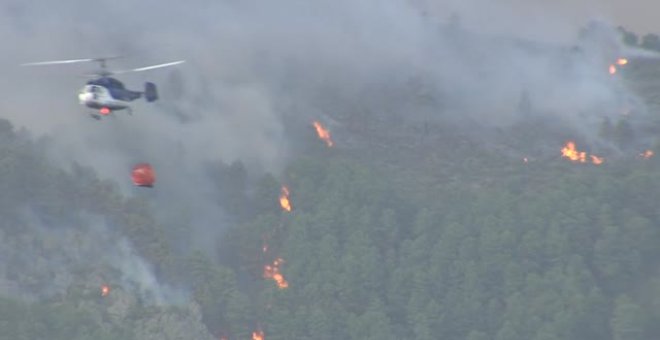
x: 150, y: 92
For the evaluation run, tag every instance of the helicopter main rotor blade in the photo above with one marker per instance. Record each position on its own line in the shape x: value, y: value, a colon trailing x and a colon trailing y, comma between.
x: 56, y: 62
x: 71, y: 61
x: 147, y: 68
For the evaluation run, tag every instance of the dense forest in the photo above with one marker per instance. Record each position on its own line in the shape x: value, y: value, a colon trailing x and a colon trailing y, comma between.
x: 548, y: 251
x: 425, y: 234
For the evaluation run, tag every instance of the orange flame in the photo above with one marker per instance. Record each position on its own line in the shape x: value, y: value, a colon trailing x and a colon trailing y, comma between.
x: 647, y: 154
x: 105, y: 290
x: 258, y: 335
x: 570, y: 151
x: 273, y: 272
x: 284, y: 199
x: 323, y: 133
x: 619, y: 62
x: 596, y: 160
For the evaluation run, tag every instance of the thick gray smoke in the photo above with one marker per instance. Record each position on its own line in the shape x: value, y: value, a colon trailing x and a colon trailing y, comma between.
x: 45, y: 261
x: 256, y: 67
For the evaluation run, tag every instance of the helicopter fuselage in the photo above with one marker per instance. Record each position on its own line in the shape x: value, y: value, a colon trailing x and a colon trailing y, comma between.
x: 106, y: 94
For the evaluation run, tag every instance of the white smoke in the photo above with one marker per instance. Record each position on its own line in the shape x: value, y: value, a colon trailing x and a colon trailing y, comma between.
x: 138, y: 277
x: 43, y: 260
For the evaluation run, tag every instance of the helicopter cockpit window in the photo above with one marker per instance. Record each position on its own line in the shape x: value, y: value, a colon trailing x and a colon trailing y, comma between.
x: 115, y: 83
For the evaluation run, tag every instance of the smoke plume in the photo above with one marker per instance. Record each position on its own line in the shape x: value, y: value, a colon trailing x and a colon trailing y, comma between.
x: 254, y: 68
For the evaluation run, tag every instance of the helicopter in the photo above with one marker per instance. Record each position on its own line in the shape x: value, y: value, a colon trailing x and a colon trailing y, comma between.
x: 105, y: 93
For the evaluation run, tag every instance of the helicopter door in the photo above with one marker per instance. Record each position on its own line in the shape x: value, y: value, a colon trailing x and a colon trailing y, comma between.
x: 95, y: 92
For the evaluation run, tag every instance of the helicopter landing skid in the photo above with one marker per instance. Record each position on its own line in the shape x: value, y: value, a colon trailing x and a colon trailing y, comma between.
x: 95, y: 116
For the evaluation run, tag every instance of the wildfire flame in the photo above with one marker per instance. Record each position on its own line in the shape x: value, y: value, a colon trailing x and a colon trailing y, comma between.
x: 323, y: 133
x: 284, y: 199
x: 105, y: 290
x: 258, y: 335
x: 570, y: 151
x: 596, y: 160
x: 619, y: 62
x: 612, y: 69
x: 273, y: 272
x: 647, y: 154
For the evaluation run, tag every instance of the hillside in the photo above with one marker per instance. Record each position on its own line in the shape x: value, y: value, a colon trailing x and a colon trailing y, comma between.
x: 64, y: 236
x: 406, y: 233
x: 545, y: 250
x: 442, y: 209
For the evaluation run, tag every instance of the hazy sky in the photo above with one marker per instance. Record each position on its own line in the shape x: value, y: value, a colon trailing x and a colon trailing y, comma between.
x: 640, y: 16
